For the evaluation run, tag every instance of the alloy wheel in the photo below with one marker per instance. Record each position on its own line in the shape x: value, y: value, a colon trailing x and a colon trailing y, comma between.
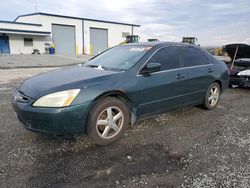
x: 214, y: 95
x: 109, y: 123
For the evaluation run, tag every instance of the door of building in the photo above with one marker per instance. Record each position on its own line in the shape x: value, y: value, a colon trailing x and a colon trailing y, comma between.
x: 4, y: 45
x: 98, y: 40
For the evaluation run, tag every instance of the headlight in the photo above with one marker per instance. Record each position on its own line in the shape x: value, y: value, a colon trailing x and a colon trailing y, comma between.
x: 244, y: 73
x: 59, y: 99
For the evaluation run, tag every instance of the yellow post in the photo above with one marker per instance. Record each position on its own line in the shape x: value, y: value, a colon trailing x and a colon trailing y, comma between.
x: 77, y: 49
x: 91, y: 50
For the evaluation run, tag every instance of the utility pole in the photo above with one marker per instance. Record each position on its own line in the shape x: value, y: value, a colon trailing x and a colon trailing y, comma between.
x: 35, y: 6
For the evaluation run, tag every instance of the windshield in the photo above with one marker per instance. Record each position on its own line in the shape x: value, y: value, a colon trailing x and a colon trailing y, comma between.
x: 119, y: 57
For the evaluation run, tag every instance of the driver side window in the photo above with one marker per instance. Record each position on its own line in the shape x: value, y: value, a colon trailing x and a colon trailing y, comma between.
x: 168, y: 57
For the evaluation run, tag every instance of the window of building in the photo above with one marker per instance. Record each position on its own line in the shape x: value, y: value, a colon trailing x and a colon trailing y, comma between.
x: 168, y: 57
x: 28, y: 41
x: 193, y: 57
x: 125, y: 34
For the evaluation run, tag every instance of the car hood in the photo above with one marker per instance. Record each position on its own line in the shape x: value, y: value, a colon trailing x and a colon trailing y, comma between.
x: 62, y: 79
x: 243, y: 50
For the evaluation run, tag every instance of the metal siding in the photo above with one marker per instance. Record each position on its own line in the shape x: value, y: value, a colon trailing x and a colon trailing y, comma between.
x: 98, y: 40
x: 63, y: 38
x: 83, y: 38
x: 73, y: 17
x: 16, y: 31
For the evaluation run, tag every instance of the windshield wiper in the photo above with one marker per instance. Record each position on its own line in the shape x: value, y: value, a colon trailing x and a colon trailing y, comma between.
x: 106, y: 68
x: 97, y: 66
x: 92, y: 66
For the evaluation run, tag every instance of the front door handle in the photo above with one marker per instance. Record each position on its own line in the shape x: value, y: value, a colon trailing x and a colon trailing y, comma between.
x: 180, y: 76
x: 210, y: 70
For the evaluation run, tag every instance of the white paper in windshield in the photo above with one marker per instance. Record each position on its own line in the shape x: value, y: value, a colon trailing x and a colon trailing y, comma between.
x: 137, y: 49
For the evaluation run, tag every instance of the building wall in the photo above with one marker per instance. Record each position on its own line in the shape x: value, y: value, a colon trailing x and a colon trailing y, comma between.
x: 136, y: 31
x: 114, y: 33
x: 47, y: 22
x: 36, y: 19
x: 16, y: 43
x: 83, y: 43
x: 14, y: 26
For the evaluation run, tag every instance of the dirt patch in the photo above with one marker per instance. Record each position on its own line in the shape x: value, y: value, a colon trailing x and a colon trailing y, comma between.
x: 102, y: 166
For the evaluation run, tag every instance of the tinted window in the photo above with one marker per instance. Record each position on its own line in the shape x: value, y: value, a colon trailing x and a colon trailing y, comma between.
x: 193, y: 57
x: 168, y: 57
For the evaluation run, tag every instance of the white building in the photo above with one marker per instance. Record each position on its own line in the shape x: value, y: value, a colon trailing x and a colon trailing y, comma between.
x: 69, y: 35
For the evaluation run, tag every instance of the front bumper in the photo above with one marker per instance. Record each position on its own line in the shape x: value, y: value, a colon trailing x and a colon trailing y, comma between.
x: 240, y: 81
x: 70, y: 120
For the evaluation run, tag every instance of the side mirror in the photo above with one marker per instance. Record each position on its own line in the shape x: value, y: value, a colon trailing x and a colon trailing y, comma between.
x: 151, y: 68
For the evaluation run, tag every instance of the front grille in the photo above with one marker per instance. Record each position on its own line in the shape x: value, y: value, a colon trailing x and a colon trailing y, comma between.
x: 19, y: 97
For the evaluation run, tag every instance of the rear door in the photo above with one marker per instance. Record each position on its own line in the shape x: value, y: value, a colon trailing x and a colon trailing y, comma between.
x: 163, y: 90
x: 198, y: 71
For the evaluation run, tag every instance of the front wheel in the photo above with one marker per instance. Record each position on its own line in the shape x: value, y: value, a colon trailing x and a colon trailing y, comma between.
x: 108, y: 120
x: 212, y: 97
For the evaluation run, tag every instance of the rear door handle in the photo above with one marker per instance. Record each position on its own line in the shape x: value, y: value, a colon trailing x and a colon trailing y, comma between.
x: 210, y: 70
x: 180, y: 76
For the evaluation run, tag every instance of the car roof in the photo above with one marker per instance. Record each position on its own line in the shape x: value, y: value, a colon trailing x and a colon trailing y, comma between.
x: 158, y: 44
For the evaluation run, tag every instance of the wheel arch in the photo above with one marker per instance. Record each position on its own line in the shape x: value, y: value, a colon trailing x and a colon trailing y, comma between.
x: 220, y: 84
x: 120, y: 94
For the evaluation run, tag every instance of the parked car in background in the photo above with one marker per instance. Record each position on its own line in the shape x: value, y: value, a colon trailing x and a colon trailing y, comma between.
x: 239, y: 64
x: 118, y: 87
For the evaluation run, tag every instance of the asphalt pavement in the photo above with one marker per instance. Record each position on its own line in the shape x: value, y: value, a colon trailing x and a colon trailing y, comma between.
x: 38, y: 61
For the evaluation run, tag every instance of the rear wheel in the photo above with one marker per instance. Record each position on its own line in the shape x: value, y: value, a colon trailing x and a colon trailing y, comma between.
x: 108, y: 120
x: 212, y: 97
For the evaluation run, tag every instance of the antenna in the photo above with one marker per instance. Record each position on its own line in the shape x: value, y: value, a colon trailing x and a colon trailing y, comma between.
x: 35, y: 6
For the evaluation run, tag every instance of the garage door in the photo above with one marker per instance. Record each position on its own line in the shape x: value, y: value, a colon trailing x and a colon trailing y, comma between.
x: 64, y: 39
x: 98, y: 40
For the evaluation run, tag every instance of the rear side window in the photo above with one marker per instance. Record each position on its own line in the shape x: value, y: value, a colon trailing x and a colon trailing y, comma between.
x: 168, y: 57
x: 193, y: 57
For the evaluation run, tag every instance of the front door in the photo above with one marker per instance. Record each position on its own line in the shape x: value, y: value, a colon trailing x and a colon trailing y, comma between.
x: 163, y: 90
x: 4, y: 44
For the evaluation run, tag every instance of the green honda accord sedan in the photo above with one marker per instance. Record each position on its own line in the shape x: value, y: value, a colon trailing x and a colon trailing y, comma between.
x: 113, y: 90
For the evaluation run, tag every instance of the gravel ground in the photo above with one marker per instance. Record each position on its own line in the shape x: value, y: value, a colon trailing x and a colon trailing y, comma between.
x: 190, y: 147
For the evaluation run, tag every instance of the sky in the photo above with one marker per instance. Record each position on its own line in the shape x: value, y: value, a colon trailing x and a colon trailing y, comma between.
x: 212, y: 22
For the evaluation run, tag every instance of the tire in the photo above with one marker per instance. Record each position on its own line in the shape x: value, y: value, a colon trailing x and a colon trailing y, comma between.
x: 215, y: 90
x: 108, y: 119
